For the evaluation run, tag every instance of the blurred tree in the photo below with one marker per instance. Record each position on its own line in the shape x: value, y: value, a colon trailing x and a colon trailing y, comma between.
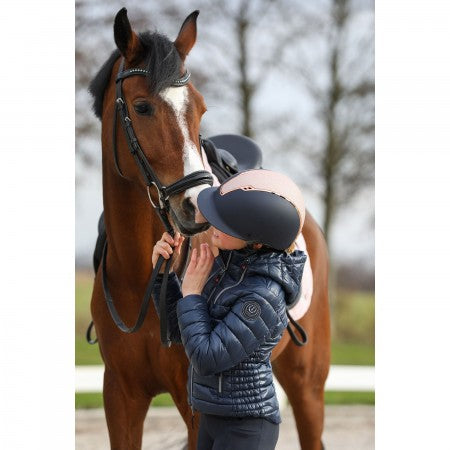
x: 245, y: 41
x: 340, y: 83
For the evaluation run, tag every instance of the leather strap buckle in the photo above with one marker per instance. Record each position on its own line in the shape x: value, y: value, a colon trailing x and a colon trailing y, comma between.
x: 161, y: 198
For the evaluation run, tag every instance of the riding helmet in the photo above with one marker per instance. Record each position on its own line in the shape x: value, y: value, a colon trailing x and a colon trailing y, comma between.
x: 258, y: 206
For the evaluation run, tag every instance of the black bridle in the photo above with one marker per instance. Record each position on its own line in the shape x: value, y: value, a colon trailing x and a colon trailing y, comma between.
x: 163, y: 209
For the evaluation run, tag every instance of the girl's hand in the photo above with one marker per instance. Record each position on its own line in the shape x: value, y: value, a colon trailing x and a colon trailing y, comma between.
x: 198, y: 270
x: 164, y: 247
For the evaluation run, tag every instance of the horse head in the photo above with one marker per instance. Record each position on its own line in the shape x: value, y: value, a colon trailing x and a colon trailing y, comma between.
x: 147, y: 74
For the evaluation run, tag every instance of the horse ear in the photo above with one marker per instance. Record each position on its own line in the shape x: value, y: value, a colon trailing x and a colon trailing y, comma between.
x: 187, y: 35
x: 126, y: 39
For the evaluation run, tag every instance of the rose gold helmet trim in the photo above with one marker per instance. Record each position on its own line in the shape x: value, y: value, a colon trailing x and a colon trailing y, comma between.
x: 269, y: 181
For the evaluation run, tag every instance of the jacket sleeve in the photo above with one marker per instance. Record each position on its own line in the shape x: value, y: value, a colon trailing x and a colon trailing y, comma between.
x: 250, y: 321
x: 172, y: 297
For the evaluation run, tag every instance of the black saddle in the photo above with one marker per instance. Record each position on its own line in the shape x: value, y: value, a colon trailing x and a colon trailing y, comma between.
x: 227, y: 155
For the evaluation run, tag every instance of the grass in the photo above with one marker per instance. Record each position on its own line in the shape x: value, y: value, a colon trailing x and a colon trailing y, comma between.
x: 349, y: 398
x: 91, y: 400
x: 352, y: 354
x: 95, y: 399
x: 354, y: 317
x: 85, y: 354
x: 352, y: 342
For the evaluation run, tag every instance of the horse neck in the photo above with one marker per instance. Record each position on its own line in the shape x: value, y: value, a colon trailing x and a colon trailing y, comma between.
x: 132, y: 228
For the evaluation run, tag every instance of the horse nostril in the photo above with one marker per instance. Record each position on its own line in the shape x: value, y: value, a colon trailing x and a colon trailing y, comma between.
x: 187, y: 206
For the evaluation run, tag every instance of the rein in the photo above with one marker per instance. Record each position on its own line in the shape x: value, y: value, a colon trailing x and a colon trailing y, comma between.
x: 163, y: 209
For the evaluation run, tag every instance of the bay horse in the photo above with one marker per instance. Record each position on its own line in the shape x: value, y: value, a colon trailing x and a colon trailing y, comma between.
x: 165, y: 110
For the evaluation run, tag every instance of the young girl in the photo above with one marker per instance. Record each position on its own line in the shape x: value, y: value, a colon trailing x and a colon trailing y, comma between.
x: 230, y: 311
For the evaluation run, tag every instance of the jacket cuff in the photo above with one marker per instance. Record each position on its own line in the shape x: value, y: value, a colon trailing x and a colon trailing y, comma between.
x: 191, y: 302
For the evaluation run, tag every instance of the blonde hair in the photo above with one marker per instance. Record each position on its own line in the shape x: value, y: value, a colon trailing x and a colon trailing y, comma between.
x: 291, y: 248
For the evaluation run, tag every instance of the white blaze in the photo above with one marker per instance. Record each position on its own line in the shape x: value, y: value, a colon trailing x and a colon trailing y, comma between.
x: 177, y: 98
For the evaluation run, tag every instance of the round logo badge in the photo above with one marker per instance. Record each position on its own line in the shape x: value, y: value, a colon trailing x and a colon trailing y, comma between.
x: 251, y: 310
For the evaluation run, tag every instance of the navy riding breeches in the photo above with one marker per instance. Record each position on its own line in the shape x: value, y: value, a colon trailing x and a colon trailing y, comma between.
x: 233, y: 433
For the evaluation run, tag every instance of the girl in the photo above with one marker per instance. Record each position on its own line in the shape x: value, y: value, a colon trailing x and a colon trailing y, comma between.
x: 229, y: 312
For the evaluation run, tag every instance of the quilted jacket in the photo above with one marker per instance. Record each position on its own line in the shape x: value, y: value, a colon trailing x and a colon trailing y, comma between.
x: 229, y: 331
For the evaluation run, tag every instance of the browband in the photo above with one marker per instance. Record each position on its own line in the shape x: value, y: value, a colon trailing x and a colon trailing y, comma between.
x: 182, y: 81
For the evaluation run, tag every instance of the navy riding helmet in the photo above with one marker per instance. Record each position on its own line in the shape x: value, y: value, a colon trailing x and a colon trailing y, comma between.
x: 256, y: 205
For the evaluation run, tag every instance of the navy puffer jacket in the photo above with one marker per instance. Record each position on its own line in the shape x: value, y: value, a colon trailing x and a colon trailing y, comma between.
x: 229, y: 331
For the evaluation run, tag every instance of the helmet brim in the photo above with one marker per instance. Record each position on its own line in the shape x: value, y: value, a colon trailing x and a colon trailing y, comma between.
x: 206, y: 202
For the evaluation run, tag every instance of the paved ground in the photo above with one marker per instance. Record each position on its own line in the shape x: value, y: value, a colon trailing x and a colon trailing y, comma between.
x: 345, y: 427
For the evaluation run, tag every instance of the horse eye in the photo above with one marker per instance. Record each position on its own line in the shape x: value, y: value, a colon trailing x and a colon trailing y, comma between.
x: 143, y: 108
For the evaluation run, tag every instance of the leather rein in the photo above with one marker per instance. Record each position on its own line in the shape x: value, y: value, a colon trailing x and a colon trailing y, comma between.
x: 163, y: 209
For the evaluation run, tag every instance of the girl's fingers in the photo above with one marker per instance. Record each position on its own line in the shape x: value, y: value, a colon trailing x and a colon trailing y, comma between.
x: 178, y: 238
x: 179, y: 243
x: 165, y: 254
x: 207, y: 258
x: 167, y: 237
x: 193, y: 261
x: 165, y: 246
x: 201, y: 259
x: 208, y: 252
x: 202, y: 254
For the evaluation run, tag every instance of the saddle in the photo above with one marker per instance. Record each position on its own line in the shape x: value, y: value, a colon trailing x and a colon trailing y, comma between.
x: 227, y: 155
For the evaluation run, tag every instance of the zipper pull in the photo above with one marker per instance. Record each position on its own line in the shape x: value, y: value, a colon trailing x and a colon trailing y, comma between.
x: 245, y: 264
x: 222, y: 271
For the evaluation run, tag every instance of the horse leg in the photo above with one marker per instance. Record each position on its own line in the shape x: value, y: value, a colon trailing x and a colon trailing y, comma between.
x: 304, y: 387
x: 191, y: 418
x: 302, y: 372
x: 125, y: 413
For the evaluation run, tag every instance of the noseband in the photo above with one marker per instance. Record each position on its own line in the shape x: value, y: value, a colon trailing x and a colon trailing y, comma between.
x: 163, y: 209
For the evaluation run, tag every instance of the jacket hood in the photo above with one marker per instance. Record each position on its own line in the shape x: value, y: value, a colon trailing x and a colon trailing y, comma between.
x: 284, y: 268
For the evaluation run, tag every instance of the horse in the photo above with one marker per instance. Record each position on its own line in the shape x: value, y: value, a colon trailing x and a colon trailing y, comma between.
x: 166, y: 110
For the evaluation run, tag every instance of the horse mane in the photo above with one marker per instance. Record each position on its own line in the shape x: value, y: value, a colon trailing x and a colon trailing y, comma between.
x: 162, y: 62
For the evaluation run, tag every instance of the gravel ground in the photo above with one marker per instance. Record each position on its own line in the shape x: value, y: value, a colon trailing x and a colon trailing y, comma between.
x: 345, y: 427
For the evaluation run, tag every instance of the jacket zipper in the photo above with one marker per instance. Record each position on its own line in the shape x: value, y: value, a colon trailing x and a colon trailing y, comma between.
x: 220, y: 293
x: 229, y: 287
x: 192, y: 386
x: 215, y: 273
x: 221, y: 273
x: 192, y: 404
